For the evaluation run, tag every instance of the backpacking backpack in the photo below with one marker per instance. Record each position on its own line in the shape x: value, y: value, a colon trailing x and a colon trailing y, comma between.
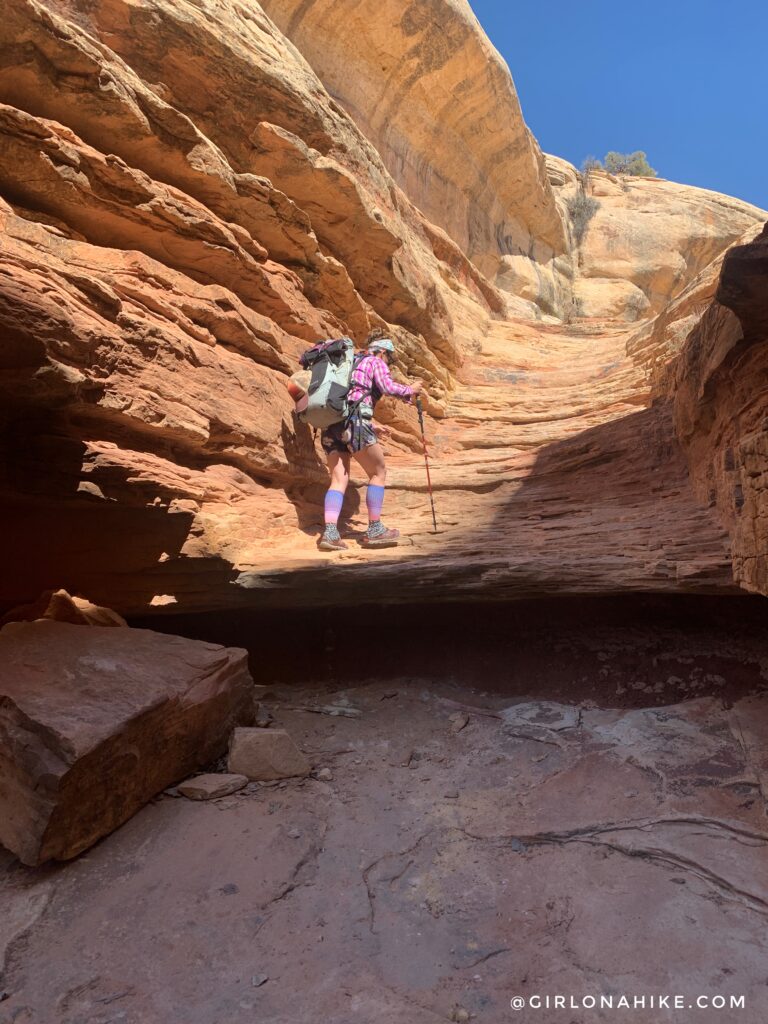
x: 331, y: 363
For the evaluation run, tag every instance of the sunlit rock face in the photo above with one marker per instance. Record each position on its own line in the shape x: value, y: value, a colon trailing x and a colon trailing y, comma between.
x: 430, y: 91
x: 649, y: 239
x: 194, y: 192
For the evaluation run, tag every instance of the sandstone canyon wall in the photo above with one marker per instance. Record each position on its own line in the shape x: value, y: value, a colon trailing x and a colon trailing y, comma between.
x: 648, y: 239
x: 193, y: 192
x: 429, y: 90
x: 720, y: 384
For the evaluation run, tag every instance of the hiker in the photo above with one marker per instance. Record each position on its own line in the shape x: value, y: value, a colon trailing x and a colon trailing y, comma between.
x: 356, y: 436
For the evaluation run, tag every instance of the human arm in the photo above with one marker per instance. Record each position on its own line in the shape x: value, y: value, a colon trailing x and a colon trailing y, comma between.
x: 382, y: 378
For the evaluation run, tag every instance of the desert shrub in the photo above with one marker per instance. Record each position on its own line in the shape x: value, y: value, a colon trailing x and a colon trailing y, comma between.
x: 590, y: 163
x: 582, y: 209
x: 629, y: 163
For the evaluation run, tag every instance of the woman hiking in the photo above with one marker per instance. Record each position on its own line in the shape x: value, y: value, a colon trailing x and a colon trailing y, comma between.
x: 371, y: 380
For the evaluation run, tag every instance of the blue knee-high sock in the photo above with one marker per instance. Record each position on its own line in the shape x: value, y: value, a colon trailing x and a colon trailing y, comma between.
x: 333, y: 502
x: 374, y: 499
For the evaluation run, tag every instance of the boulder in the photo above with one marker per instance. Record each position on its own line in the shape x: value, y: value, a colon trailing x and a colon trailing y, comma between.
x: 95, y: 722
x: 212, y: 786
x: 63, y: 607
x: 266, y: 754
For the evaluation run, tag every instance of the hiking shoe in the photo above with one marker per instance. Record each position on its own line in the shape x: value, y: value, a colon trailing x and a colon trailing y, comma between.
x: 326, y: 544
x: 380, y: 537
x: 331, y: 541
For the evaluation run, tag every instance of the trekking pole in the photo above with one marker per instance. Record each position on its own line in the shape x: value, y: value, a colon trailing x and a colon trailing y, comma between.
x: 426, y: 460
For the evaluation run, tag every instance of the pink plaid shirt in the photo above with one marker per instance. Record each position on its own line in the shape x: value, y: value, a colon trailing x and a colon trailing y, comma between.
x: 374, y: 372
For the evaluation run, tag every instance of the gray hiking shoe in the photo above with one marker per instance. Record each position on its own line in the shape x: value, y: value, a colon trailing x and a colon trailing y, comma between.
x: 378, y: 536
x: 331, y: 540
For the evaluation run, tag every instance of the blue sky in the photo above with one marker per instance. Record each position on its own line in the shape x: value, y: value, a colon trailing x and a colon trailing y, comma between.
x: 685, y: 80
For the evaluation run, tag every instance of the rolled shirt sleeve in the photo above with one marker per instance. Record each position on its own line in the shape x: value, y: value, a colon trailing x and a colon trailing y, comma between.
x: 383, y: 380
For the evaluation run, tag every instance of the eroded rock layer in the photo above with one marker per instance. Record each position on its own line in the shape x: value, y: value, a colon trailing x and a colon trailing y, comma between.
x: 721, y: 405
x: 648, y: 239
x: 186, y: 207
x: 438, y: 102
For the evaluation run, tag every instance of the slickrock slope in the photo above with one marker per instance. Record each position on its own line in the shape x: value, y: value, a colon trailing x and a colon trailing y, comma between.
x: 648, y: 239
x: 186, y: 208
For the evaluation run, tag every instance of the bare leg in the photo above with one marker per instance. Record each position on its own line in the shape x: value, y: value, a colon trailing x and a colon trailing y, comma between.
x: 338, y: 466
x: 372, y: 461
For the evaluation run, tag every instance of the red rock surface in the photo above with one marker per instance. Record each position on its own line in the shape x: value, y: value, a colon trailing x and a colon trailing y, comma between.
x: 436, y: 869
x: 721, y: 408
x: 95, y: 722
x: 186, y: 208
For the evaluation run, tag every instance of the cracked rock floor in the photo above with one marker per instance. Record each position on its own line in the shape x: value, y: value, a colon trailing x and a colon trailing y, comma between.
x: 469, y: 846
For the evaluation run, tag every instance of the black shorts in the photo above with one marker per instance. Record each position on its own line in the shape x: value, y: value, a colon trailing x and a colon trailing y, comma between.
x: 362, y: 435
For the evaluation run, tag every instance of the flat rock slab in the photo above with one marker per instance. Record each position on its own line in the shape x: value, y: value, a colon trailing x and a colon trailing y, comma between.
x: 266, y: 754
x: 210, y: 787
x: 95, y: 722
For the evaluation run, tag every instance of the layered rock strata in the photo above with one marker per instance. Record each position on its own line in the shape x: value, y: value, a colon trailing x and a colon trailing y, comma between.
x: 720, y: 383
x: 437, y: 101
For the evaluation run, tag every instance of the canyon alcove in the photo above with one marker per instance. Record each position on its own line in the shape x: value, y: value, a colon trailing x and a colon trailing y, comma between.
x: 501, y: 740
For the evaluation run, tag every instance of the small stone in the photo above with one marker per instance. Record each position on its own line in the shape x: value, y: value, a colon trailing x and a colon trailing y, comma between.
x: 259, y: 979
x: 324, y: 775
x: 460, y: 1014
x: 294, y: 833
x: 452, y: 794
x: 264, y: 718
x: 340, y: 711
x: 211, y: 787
x: 458, y: 721
x: 266, y: 755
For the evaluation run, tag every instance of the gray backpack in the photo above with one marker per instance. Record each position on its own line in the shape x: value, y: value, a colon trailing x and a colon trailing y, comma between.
x: 331, y: 364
